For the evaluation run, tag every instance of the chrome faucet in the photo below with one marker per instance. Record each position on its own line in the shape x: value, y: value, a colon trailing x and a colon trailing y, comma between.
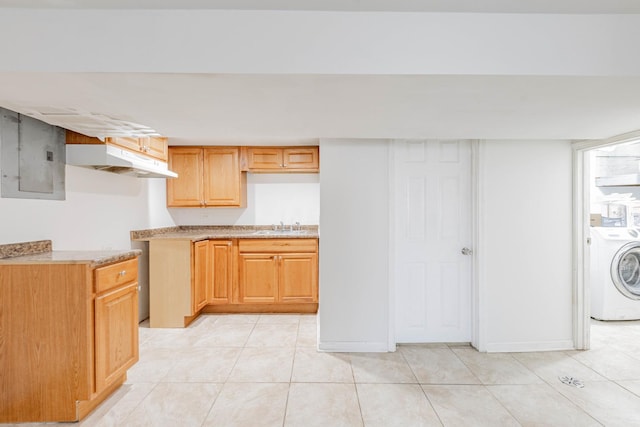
x: 282, y: 225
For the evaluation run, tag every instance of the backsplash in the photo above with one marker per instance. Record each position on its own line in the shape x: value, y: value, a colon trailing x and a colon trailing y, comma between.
x: 271, y: 198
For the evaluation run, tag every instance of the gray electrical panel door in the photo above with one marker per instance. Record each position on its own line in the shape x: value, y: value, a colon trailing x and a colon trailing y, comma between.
x: 33, y: 157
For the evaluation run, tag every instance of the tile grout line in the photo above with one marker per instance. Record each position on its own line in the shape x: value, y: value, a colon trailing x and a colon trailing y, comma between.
x: 465, y: 365
x: 587, y: 366
x: 426, y: 395
x: 487, y: 386
x: 617, y: 382
x: 293, y: 360
x: 222, y: 386
x: 544, y: 381
x: 355, y: 386
x: 415, y: 376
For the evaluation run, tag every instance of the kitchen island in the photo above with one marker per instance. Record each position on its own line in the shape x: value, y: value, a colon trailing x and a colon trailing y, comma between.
x: 229, y: 269
x: 68, y: 329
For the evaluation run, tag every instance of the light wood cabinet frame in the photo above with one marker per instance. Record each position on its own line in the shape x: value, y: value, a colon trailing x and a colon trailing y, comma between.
x: 278, y: 271
x: 207, y: 177
x: 64, y: 348
x: 221, y: 280
x: 116, y: 334
x: 152, y: 146
x: 240, y: 275
x: 304, y: 159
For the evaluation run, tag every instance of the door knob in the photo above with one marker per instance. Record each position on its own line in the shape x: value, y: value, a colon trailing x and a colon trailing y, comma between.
x: 466, y: 251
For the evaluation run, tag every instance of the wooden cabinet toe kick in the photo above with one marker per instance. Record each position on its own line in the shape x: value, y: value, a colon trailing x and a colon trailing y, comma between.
x: 261, y: 308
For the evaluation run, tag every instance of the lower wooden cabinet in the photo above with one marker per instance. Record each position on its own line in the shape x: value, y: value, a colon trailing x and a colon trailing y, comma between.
x: 200, y: 275
x: 73, y: 333
x: 278, y: 271
x: 116, y: 317
x: 116, y: 321
x: 298, y: 278
x: 221, y: 277
x: 230, y: 276
x: 258, y: 278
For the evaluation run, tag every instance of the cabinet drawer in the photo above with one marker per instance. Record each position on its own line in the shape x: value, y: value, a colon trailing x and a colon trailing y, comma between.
x: 116, y: 274
x: 278, y: 245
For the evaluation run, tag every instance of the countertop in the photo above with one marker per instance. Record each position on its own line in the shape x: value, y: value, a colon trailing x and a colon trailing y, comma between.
x: 197, y: 233
x: 44, y: 255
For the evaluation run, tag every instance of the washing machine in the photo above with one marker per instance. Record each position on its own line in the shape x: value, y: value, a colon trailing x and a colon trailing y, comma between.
x: 615, y: 273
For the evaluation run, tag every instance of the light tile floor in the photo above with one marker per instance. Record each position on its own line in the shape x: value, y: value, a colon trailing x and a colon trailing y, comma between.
x: 263, y: 370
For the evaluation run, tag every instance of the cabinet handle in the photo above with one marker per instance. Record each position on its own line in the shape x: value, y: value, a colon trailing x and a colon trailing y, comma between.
x: 122, y: 273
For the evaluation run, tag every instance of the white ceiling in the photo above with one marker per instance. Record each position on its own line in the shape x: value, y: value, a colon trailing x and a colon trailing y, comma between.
x: 194, y: 108
x: 206, y: 108
x: 483, y: 6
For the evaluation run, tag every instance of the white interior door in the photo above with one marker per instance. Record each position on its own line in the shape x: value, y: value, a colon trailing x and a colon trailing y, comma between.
x: 432, y: 200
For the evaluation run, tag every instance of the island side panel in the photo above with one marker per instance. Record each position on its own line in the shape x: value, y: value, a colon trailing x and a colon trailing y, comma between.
x: 46, y: 329
x: 169, y: 283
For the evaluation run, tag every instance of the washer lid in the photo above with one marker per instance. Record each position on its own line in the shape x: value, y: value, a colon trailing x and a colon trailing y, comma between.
x: 625, y: 270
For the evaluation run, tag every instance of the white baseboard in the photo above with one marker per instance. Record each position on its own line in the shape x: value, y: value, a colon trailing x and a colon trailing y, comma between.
x: 354, y: 347
x: 519, y: 347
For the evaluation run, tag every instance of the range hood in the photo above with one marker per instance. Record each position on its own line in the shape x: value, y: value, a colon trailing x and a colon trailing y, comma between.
x: 108, y: 158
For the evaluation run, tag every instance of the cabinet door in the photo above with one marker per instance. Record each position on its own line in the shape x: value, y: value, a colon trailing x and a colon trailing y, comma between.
x: 298, y: 278
x: 200, y: 276
x: 219, y: 289
x: 129, y: 143
x: 301, y: 159
x: 155, y: 146
x: 258, y: 279
x: 186, y: 190
x: 116, y: 334
x: 264, y: 158
x: 222, y: 177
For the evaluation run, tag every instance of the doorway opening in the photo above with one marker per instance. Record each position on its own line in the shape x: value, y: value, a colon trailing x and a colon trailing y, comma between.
x: 607, y: 238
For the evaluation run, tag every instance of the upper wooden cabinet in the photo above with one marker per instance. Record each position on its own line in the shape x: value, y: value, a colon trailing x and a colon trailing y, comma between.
x: 186, y: 190
x: 152, y: 146
x: 155, y: 146
x: 207, y: 177
x: 282, y: 159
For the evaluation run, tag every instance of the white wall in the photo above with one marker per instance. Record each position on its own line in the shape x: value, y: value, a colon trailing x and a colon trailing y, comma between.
x: 525, y: 252
x: 354, y: 245
x: 271, y: 198
x: 99, y: 211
